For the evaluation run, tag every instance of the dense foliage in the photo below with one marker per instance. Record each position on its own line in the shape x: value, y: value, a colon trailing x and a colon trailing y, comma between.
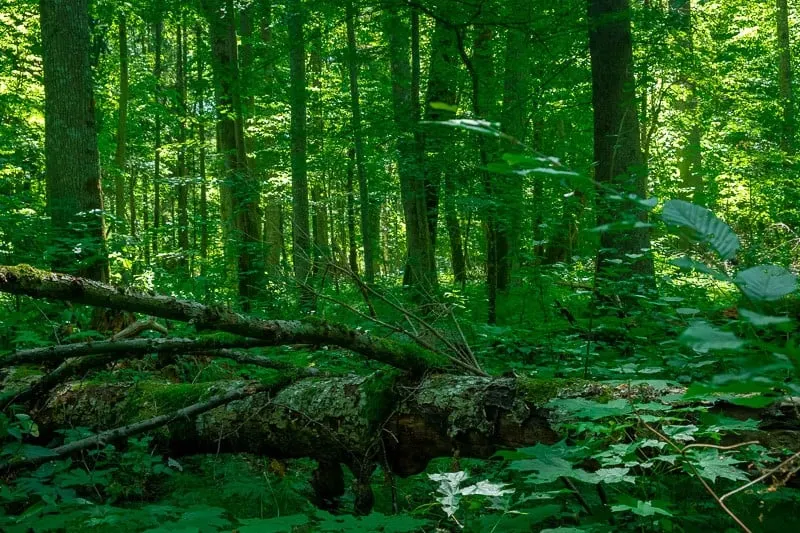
x: 592, y: 200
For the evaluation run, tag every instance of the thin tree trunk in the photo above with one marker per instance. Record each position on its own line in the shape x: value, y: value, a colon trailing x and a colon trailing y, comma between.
x: 351, y: 217
x: 120, y: 155
x: 301, y: 232
x: 72, y: 160
x: 132, y: 202
x: 483, y: 99
x: 201, y: 141
x: 159, y: 29
x: 368, y: 238
x: 183, y: 177
x: 785, y: 76
x: 442, y: 89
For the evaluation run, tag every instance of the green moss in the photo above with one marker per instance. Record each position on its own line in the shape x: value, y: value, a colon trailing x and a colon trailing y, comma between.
x: 26, y: 273
x: 540, y: 391
x: 150, y: 399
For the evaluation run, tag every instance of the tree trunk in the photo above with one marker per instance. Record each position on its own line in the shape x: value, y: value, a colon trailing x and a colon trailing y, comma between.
x: 369, y: 240
x: 514, y: 122
x: 183, y: 175
x: 690, y: 151
x: 301, y: 232
x: 420, y: 272
x: 785, y: 76
x: 483, y: 102
x: 352, y: 254
x: 443, y: 89
x: 619, y: 165
x: 201, y: 147
x: 74, y: 194
x: 120, y: 155
x: 242, y: 190
x: 159, y: 37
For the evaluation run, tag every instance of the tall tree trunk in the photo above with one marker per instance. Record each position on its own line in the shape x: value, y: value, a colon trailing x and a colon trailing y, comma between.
x: 617, y: 153
x: 273, y: 209
x: 421, y: 265
x: 369, y: 240
x: 183, y: 176
x: 430, y: 186
x: 443, y: 89
x: 514, y: 121
x: 243, y: 191
x: 454, y: 231
x: 120, y: 155
x: 483, y: 101
x: 72, y: 161
x: 319, y: 202
x: 201, y: 146
x: 785, y: 76
x: 159, y: 38
x: 352, y: 254
x: 690, y: 151
x: 301, y: 234
x: 132, y: 202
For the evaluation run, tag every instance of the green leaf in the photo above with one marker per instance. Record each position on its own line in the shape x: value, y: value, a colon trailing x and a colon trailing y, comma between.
x: 763, y: 320
x: 442, y: 106
x: 642, y: 508
x: 711, y: 465
x: 766, y: 282
x: 704, y: 224
x: 703, y: 337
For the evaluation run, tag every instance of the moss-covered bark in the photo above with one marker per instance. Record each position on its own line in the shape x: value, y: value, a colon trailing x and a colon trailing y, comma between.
x: 27, y: 280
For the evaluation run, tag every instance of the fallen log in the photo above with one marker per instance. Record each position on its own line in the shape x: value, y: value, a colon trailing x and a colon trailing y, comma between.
x: 360, y: 421
x: 26, y: 280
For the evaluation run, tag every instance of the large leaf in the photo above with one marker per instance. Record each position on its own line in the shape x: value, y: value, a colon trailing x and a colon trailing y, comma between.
x: 704, y: 224
x: 766, y: 282
x: 703, y: 337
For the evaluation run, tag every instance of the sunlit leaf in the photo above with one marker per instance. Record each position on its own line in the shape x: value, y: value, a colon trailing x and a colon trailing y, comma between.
x: 704, y: 224
x: 766, y: 282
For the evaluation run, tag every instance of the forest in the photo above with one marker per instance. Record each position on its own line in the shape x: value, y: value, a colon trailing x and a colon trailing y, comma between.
x: 399, y: 266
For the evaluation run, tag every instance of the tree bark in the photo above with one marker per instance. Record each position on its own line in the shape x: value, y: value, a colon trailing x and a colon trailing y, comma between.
x: 156, y: 237
x: 619, y: 164
x: 120, y: 155
x: 72, y: 161
x: 183, y: 174
x: 785, y: 76
x: 352, y: 250
x: 443, y: 89
x: 483, y: 103
x: 420, y: 272
x: 368, y: 239
x: 690, y: 151
x: 515, y: 123
x: 242, y: 191
x: 301, y: 230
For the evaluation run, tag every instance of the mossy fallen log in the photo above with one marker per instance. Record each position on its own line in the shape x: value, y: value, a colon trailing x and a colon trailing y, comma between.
x: 26, y: 280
